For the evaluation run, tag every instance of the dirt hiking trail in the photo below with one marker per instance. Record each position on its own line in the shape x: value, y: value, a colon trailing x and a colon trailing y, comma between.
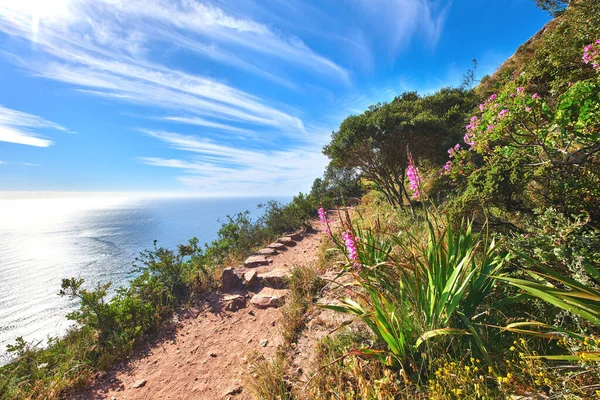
x: 203, y: 354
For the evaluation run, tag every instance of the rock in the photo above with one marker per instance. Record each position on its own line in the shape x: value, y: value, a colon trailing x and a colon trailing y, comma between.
x: 250, y: 278
x: 139, y: 384
x: 296, y: 236
x: 277, y: 246
x: 276, y: 278
x: 263, y: 343
x: 230, y: 280
x: 267, y: 252
x: 286, y: 240
x: 255, y: 261
x: 234, y: 302
x: 212, y: 354
x: 267, y: 300
x: 234, y: 390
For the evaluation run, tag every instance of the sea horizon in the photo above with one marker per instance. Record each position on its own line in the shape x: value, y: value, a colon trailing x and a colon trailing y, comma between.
x: 46, y: 239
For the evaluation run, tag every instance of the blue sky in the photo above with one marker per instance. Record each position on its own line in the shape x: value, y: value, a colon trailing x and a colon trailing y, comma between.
x: 222, y: 97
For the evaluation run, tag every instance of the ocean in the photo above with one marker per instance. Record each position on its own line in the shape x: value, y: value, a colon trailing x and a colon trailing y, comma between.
x: 43, y: 241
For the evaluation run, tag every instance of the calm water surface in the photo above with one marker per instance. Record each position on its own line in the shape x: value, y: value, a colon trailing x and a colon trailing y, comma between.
x: 45, y: 240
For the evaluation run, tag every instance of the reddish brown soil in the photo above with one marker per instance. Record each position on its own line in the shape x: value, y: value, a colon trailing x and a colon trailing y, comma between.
x: 205, y: 356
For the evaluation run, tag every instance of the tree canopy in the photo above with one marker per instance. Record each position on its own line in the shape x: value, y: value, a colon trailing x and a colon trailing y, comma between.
x: 378, y: 141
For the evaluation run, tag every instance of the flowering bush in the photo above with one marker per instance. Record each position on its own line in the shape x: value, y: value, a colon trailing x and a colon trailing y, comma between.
x: 523, y: 151
x: 591, y: 54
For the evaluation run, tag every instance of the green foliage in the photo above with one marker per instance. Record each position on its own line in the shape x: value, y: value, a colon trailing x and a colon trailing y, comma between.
x: 377, y: 141
x: 432, y: 289
x: 526, y: 152
x: 563, y: 292
x: 561, y: 243
x: 337, y: 186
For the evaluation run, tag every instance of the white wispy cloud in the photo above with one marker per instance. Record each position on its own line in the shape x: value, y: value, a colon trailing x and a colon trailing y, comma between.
x: 399, y: 21
x: 16, y: 127
x: 219, y: 168
x: 83, y: 54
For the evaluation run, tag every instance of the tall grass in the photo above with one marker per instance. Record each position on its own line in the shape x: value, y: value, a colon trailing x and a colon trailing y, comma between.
x: 412, y: 291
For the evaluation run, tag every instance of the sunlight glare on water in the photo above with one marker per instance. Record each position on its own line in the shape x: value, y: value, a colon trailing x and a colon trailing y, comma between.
x: 43, y: 241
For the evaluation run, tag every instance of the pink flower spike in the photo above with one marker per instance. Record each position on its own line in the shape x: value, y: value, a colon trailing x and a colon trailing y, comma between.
x: 324, y: 220
x: 350, y: 243
x: 503, y: 113
x: 535, y: 96
x: 414, y: 180
x: 520, y: 89
x: 481, y: 107
x: 493, y: 97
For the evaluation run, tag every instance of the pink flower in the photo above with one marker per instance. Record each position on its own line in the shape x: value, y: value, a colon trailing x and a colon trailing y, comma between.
x: 324, y: 220
x: 520, y: 89
x: 469, y: 139
x: 503, y: 113
x: 447, y: 168
x: 414, y: 180
x: 493, y: 97
x: 452, y: 151
x: 350, y: 243
x: 481, y: 107
x: 527, y: 108
x: 535, y: 96
x: 490, y: 127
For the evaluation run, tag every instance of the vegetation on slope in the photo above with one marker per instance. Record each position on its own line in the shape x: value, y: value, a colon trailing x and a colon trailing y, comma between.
x: 489, y: 287
x: 475, y: 260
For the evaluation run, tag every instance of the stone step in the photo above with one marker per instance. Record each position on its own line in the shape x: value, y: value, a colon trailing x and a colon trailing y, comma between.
x: 269, y: 297
x: 296, y: 236
x: 256, y: 261
x: 286, y: 240
x: 277, y: 278
x: 234, y: 302
x: 266, y: 252
x: 277, y: 246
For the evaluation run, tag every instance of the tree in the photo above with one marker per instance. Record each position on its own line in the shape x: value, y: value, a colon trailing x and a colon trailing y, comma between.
x: 554, y: 7
x: 377, y: 142
x: 337, y: 186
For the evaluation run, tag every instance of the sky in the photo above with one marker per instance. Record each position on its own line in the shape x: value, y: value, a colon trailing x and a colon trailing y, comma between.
x: 220, y: 97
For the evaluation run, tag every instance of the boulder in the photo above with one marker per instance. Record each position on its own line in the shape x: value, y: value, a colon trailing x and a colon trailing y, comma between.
x: 277, y: 246
x: 234, y: 302
x: 276, y: 278
x: 286, y: 240
x: 255, y: 261
x: 267, y: 252
x: 230, y: 280
x: 267, y: 300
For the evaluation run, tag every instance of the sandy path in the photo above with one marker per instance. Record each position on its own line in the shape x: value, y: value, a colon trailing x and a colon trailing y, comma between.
x: 204, y: 358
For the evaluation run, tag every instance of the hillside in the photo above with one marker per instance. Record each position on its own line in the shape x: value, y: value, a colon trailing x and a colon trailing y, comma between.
x: 456, y: 255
